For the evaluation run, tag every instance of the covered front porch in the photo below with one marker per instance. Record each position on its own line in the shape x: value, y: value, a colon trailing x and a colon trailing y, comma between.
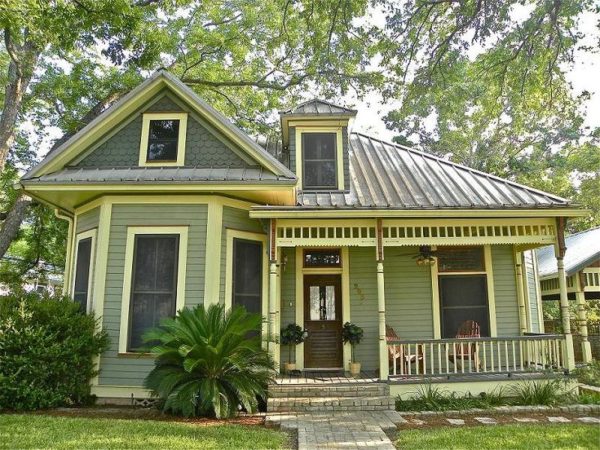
x: 410, y: 284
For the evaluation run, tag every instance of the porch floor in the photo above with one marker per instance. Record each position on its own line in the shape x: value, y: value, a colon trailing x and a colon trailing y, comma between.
x: 308, y: 377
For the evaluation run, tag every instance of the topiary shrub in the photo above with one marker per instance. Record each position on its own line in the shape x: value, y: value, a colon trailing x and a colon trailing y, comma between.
x: 209, y: 362
x: 47, y: 350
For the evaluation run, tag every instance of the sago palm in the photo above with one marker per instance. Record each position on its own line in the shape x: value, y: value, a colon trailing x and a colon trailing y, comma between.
x: 209, y: 362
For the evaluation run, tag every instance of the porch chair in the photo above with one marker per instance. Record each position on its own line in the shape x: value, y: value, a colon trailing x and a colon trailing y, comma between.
x: 396, y: 354
x: 468, y: 351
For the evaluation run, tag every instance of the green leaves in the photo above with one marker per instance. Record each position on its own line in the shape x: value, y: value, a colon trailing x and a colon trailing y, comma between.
x: 209, y: 362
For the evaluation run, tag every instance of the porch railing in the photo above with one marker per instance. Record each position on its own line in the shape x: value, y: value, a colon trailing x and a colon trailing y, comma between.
x: 436, y: 357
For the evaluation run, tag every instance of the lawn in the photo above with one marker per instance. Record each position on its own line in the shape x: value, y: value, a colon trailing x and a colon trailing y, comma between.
x: 514, y: 437
x: 41, y: 431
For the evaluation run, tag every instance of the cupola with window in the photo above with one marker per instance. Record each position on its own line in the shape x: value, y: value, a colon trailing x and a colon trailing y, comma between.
x: 315, y: 141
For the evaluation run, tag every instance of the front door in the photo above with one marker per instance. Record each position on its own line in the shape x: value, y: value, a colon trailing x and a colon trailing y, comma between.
x: 323, y: 321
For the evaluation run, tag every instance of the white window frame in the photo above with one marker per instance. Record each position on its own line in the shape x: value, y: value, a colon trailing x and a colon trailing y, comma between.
x: 132, y: 232
x: 146, y: 118
x: 248, y: 236
x: 80, y: 237
x: 339, y: 152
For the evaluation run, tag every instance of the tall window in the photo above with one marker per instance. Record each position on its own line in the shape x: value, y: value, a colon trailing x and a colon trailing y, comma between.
x: 83, y: 265
x: 163, y: 136
x: 247, y: 274
x: 463, y: 289
x: 154, y: 284
x: 319, y: 164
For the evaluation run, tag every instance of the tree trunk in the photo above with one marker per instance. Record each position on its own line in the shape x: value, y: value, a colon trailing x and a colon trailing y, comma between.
x: 12, y: 223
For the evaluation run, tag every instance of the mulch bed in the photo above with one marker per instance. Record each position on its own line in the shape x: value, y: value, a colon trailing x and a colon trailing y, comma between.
x: 501, y: 418
x: 136, y: 413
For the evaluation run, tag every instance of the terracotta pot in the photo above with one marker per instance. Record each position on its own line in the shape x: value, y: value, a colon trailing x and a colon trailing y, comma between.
x: 289, y: 367
x: 355, y: 368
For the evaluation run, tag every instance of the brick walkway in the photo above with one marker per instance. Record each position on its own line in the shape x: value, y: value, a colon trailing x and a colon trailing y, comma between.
x: 340, y: 429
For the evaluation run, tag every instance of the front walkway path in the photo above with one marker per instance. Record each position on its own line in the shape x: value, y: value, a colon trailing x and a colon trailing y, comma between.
x: 340, y: 430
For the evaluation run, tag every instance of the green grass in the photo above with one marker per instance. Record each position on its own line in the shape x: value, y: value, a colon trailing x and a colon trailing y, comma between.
x: 514, y: 437
x: 40, y: 431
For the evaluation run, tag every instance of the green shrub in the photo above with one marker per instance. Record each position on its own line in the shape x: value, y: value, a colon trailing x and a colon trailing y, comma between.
x: 548, y: 392
x: 47, y: 348
x: 209, y: 362
x: 431, y: 398
x: 589, y: 374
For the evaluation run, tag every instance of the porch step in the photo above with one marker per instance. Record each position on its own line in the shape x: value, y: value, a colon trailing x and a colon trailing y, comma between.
x: 314, y: 404
x: 329, y: 390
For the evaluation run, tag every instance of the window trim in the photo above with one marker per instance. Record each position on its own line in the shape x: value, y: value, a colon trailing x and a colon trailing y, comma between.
x: 89, y: 234
x: 339, y: 153
x: 182, y: 231
x: 232, y: 234
x: 437, y: 302
x: 146, y: 118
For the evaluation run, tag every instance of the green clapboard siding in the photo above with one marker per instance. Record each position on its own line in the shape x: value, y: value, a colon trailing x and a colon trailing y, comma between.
x: 288, y: 296
x: 363, y: 303
x: 88, y: 220
x: 505, y: 289
x: 235, y: 219
x: 203, y: 148
x: 130, y: 371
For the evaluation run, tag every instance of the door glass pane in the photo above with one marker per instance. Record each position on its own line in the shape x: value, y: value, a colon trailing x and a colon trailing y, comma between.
x: 329, y: 303
x: 154, y: 286
x: 247, y: 275
x: 322, y: 302
x: 82, y: 273
x: 315, y: 302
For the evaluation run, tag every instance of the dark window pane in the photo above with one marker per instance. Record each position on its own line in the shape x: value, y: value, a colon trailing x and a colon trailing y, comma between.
x: 319, y: 160
x: 322, y: 258
x: 460, y: 259
x: 154, y: 286
x: 247, y: 275
x: 82, y: 273
x: 463, y: 298
x: 162, y: 140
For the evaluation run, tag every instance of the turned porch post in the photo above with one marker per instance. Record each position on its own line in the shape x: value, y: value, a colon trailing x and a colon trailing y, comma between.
x: 560, y: 249
x: 586, y: 348
x: 384, y: 368
x: 521, y: 293
x: 273, y: 338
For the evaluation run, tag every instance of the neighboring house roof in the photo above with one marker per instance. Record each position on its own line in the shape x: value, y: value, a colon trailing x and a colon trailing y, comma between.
x: 158, y: 80
x: 318, y: 107
x: 188, y: 175
x: 387, y: 175
x: 583, y: 248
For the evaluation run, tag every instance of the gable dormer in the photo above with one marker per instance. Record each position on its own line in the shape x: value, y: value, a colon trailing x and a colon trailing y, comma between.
x: 315, y: 138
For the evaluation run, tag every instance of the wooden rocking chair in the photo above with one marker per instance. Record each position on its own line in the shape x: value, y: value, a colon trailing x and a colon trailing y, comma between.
x: 468, y: 351
x: 396, y: 354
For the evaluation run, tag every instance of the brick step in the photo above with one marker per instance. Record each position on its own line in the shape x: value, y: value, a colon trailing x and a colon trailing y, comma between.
x: 313, y: 404
x: 348, y: 390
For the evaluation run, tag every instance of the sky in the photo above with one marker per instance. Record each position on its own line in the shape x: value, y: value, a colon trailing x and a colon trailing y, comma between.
x: 584, y: 76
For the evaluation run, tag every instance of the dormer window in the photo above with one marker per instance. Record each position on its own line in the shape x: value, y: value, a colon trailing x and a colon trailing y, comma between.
x: 319, y: 161
x: 163, y: 139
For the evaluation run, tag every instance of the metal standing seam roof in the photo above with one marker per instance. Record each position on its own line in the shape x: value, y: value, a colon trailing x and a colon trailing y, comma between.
x: 387, y: 175
x: 583, y: 248
x: 316, y: 107
x: 160, y: 175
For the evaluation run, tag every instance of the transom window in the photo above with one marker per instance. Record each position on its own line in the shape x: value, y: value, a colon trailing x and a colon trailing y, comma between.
x: 322, y: 258
x: 154, y: 284
x: 460, y: 259
x: 163, y: 136
x: 319, y: 161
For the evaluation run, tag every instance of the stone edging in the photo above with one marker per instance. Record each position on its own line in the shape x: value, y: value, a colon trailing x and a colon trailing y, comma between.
x: 508, y: 409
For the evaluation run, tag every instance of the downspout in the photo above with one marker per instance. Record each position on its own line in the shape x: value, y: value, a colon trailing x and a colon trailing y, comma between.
x: 69, y: 253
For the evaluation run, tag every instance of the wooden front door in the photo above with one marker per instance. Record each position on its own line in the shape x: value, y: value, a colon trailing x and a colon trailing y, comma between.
x: 323, y: 321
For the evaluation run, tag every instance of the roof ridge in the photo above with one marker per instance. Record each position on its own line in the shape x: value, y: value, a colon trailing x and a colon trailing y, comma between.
x: 463, y: 167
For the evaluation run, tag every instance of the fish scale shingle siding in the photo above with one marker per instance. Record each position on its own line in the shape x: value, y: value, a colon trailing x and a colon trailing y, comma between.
x: 131, y: 371
x: 203, y: 149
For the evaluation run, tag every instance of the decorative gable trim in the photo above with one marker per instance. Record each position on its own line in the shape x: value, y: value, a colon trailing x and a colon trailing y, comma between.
x: 114, y: 116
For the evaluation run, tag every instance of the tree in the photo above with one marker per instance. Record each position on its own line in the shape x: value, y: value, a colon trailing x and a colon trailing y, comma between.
x: 486, y: 87
x: 64, y: 62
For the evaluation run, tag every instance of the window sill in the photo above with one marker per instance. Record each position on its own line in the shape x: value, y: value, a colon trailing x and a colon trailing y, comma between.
x: 135, y: 355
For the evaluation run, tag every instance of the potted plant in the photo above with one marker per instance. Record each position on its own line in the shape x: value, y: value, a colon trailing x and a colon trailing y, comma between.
x: 352, y: 334
x: 291, y: 336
